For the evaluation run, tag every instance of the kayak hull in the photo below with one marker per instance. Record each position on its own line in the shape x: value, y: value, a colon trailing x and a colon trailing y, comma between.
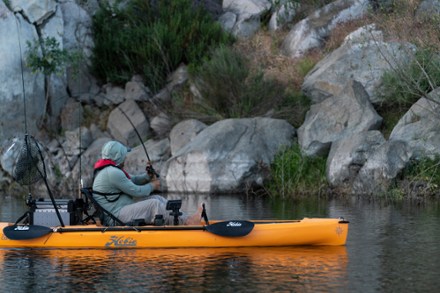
x: 309, y: 231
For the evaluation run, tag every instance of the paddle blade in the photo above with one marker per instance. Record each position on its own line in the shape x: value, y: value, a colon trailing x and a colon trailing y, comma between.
x: 234, y: 228
x: 24, y: 232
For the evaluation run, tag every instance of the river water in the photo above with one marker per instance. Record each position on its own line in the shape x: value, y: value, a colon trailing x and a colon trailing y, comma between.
x: 390, y: 248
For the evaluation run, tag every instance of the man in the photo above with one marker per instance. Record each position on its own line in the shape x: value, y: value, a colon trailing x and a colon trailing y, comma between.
x: 116, y: 190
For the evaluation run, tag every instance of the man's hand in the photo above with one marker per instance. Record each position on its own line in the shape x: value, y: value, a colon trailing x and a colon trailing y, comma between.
x: 156, y: 184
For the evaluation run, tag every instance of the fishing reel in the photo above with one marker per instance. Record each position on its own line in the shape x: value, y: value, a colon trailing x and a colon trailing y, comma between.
x: 151, y: 172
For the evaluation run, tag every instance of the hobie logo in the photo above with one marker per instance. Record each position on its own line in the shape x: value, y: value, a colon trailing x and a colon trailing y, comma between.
x: 233, y: 224
x: 21, y: 228
x: 121, y: 242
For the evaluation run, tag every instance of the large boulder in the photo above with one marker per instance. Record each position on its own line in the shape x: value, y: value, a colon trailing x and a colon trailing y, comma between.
x: 332, y: 119
x: 228, y: 156
x: 380, y: 171
x: 184, y: 132
x: 349, y: 154
x: 364, y: 56
x: 420, y: 128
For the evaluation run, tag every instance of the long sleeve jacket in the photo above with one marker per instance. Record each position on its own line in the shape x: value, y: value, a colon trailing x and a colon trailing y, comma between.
x: 119, y: 189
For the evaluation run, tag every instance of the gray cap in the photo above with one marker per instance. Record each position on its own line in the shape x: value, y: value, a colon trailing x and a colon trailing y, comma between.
x: 114, y: 151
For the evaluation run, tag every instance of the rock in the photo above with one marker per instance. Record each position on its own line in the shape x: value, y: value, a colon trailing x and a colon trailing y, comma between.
x: 71, y: 115
x: 184, y: 132
x: 125, y: 120
x: 228, y: 156
x: 311, y: 32
x: 248, y: 16
x: 419, y: 127
x: 349, y: 154
x: 381, y: 169
x: 158, y: 151
x: 35, y: 11
x: 20, y: 87
x: 161, y: 124
x: 363, y: 56
x: 332, y: 119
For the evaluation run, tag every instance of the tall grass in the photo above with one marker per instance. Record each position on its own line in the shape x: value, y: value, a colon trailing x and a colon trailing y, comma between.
x: 422, y: 177
x: 294, y: 174
x: 152, y: 38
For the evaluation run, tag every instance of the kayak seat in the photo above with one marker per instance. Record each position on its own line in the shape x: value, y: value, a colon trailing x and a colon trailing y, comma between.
x: 106, y: 217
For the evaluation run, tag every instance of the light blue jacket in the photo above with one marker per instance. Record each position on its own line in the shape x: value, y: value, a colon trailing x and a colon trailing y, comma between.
x: 113, y: 180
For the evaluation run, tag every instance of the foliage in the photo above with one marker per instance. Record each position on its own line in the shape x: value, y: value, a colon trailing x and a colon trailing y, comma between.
x: 305, y: 65
x: 294, y: 174
x: 229, y: 88
x: 423, y: 175
x: 52, y: 60
x: 152, y: 38
x: 402, y: 86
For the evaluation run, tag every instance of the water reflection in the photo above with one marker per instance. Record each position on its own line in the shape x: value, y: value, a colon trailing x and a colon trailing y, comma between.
x: 165, y: 270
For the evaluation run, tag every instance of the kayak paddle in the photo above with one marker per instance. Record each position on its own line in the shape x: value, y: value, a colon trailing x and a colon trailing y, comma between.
x: 25, y: 232
x: 233, y: 228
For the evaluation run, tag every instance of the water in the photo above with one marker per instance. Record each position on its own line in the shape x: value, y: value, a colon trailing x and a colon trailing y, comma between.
x: 390, y: 248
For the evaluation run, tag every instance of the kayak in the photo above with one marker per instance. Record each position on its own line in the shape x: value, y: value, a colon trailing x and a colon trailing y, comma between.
x: 233, y: 233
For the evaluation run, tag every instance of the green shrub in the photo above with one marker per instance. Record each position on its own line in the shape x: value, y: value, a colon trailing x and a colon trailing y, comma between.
x: 294, y: 174
x: 229, y: 88
x: 404, y: 85
x: 53, y: 59
x: 152, y: 39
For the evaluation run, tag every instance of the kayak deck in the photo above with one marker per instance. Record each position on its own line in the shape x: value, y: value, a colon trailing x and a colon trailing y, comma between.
x: 309, y: 231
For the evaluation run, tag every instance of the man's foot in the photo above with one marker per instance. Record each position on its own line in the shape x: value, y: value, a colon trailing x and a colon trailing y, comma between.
x: 195, y: 218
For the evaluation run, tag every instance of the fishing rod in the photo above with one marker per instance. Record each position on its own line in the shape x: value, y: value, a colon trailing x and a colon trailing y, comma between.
x: 28, y: 163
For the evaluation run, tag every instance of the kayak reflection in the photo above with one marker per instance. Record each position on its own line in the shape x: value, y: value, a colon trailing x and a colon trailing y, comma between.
x: 217, y: 269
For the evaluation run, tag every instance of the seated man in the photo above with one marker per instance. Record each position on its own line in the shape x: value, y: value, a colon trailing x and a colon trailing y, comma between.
x: 116, y: 190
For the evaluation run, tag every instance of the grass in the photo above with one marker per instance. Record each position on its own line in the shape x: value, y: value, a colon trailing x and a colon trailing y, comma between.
x: 294, y: 174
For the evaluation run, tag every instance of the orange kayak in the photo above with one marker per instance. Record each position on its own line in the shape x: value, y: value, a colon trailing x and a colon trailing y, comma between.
x: 234, y: 233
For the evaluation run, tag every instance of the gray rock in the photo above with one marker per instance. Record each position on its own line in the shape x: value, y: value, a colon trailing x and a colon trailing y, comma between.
x: 228, y: 156
x: 332, y: 119
x: 363, y: 56
x: 20, y: 88
x: 312, y: 31
x: 161, y: 124
x: 349, y: 154
x: 420, y: 128
x: 382, y: 167
x: 35, y: 11
x: 184, y: 132
x: 121, y: 128
x: 248, y: 14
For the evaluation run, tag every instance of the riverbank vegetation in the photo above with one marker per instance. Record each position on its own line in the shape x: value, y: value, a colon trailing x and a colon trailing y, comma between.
x: 152, y: 39
x: 244, y: 78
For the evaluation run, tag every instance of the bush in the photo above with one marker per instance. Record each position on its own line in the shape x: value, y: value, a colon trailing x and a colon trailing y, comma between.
x: 405, y: 85
x: 229, y: 88
x: 52, y: 60
x: 294, y: 174
x: 151, y: 38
